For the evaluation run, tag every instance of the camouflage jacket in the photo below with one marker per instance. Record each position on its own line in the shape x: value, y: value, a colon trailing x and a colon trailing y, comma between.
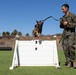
x: 71, y: 18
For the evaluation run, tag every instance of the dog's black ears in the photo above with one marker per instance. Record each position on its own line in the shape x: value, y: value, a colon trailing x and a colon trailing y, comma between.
x: 36, y: 21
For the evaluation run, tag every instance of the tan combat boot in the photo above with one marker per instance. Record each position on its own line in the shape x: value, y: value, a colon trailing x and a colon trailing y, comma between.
x: 74, y: 64
x: 68, y: 65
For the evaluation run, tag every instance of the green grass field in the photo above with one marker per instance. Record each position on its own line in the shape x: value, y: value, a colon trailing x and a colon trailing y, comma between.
x: 6, y: 61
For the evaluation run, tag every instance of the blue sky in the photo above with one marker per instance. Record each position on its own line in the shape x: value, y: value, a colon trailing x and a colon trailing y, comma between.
x: 22, y: 15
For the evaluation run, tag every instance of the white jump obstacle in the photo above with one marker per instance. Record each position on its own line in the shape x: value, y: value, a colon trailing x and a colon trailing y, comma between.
x: 35, y: 53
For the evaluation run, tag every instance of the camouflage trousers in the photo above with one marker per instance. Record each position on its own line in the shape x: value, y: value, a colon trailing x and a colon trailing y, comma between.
x: 68, y: 42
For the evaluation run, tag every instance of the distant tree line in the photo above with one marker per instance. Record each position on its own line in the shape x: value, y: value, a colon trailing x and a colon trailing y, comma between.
x: 13, y: 34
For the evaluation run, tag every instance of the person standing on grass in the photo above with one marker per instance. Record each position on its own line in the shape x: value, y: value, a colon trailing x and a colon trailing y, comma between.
x: 68, y: 23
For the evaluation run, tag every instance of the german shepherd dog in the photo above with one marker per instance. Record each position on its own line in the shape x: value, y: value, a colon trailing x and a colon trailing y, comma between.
x: 38, y: 29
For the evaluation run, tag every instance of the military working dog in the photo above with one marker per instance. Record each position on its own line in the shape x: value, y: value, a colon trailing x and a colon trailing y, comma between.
x: 37, y: 29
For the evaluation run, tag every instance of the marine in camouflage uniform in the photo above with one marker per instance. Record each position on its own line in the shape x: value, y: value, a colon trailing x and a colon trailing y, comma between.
x: 68, y: 23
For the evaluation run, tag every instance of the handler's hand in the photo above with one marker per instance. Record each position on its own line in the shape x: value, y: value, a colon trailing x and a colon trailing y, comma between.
x: 65, y: 23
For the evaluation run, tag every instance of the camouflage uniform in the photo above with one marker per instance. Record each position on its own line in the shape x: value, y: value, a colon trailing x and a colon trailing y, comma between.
x: 68, y: 37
